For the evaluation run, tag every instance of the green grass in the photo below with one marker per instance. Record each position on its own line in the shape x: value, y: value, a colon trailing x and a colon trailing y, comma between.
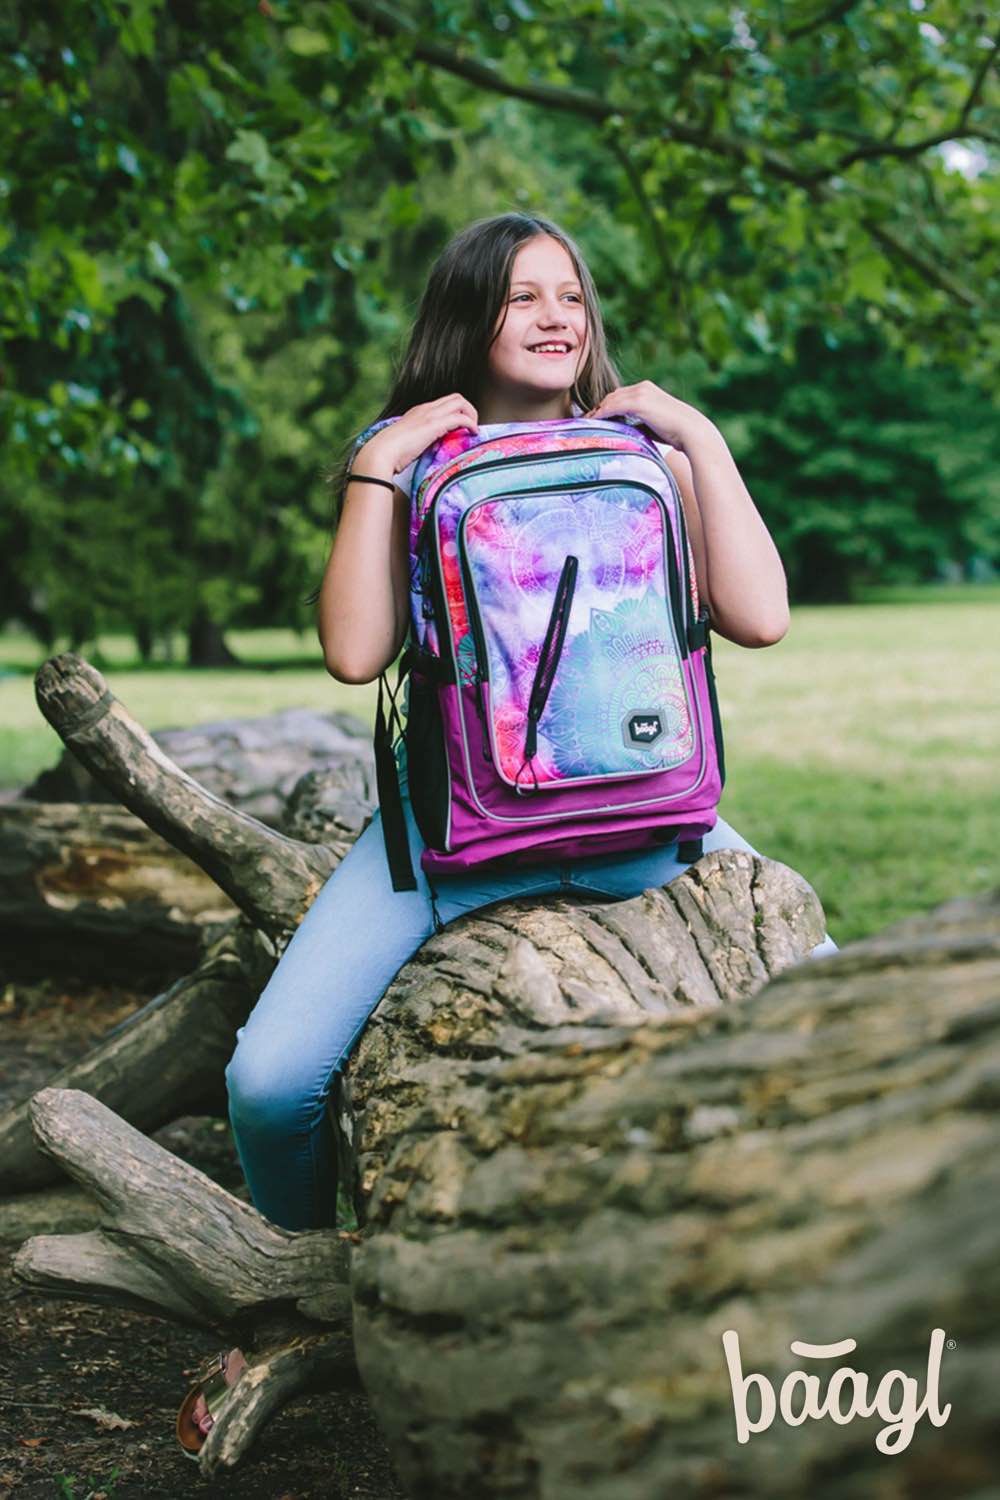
x: 860, y: 750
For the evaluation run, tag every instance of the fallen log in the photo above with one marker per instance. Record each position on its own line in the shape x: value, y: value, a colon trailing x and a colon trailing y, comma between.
x: 163, y: 1061
x: 270, y: 877
x: 524, y: 977
x: 560, y: 1230
x: 167, y: 1059
x: 564, y: 1209
x: 88, y: 885
x: 254, y: 764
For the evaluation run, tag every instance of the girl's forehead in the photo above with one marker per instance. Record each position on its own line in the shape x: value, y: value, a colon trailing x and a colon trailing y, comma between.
x: 542, y: 256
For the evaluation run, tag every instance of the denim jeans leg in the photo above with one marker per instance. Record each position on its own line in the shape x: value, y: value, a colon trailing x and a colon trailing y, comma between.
x: 351, y: 943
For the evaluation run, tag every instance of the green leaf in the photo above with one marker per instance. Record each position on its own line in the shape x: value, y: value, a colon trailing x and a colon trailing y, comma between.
x: 306, y: 43
x: 867, y: 278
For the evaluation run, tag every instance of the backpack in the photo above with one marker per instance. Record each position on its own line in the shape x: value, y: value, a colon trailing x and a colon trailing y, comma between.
x: 560, y: 697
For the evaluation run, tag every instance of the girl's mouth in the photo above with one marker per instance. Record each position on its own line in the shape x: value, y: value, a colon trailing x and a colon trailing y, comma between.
x: 551, y: 351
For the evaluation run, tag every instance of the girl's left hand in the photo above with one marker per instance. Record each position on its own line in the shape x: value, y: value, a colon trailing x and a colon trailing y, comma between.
x: 673, y: 421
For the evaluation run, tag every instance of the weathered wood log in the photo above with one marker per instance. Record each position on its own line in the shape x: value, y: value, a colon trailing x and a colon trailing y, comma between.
x: 272, y: 878
x: 580, y: 1220
x: 165, y: 1060
x: 172, y: 1242
x: 515, y: 1000
x: 64, y: 1209
x: 168, y: 1059
x: 89, y: 885
x: 569, y: 1197
x: 253, y: 764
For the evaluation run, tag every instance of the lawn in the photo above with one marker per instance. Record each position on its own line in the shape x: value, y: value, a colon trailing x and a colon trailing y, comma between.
x: 861, y: 749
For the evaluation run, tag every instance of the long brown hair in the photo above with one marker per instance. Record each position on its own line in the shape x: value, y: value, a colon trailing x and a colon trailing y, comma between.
x: 451, y: 337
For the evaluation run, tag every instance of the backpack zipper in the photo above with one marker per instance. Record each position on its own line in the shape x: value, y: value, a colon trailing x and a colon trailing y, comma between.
x: 548, y: 660
x: 552, y: 646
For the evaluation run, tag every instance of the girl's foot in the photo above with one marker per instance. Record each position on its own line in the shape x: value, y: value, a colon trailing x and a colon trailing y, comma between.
x: 195, y: 1419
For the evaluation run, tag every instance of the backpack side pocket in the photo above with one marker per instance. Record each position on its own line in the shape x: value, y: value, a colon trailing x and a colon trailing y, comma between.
x: 427, y: 763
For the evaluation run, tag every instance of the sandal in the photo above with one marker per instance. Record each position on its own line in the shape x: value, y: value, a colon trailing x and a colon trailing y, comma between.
x: 212, y: 1384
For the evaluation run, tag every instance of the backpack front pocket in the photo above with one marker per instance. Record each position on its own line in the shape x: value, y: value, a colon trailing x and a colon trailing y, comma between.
x: 576, y: 613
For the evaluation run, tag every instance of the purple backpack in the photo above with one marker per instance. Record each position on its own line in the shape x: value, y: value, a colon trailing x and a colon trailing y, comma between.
x: 561, y: 700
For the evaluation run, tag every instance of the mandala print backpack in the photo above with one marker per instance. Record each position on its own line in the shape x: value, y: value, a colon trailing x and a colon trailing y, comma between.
x: 561, y: 700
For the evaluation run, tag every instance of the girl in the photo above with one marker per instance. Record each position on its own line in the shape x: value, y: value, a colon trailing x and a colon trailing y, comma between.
x: 509, y: 330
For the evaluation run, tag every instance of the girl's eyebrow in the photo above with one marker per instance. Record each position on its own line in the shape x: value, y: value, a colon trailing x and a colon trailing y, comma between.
x: 521, y: 282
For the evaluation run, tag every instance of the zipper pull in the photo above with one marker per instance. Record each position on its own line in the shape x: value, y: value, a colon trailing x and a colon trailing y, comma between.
x: 481, y: 711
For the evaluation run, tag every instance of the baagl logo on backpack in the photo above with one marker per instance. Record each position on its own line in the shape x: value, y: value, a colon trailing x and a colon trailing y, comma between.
x: 643, y: 728
x: 561, y: 700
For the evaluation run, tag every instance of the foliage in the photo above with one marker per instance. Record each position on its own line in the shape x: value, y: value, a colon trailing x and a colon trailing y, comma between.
x: 863, y: 471
x: 219, y: 219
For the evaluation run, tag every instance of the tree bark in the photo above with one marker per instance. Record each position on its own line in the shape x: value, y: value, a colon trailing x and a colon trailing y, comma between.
x: 578, y: 1213
x: 253, y: 764
x: 273, y: 879
x: 91, y: 887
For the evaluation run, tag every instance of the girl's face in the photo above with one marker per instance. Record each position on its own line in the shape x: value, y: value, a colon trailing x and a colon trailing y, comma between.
x: 544, y: 306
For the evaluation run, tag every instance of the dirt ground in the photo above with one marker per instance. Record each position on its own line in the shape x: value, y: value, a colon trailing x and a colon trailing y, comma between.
x: 89, y: 1392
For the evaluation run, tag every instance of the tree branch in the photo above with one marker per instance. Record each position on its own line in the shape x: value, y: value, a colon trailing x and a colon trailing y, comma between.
x: 388, y: 21
x: 954, y: 132
x: 832, y: 13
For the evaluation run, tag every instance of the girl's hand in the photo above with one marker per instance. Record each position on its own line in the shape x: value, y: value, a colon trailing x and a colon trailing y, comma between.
x: 417, y: 428
x: 673, y: 421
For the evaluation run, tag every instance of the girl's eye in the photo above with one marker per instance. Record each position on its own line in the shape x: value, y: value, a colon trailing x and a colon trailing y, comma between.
x: 518, y: 295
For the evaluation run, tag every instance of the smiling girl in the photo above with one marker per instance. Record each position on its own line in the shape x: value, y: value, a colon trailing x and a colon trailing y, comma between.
x: 509, y: 330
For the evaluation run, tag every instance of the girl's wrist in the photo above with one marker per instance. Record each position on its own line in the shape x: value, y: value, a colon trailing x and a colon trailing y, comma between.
x: 700, y: 436
x: 374, y: 458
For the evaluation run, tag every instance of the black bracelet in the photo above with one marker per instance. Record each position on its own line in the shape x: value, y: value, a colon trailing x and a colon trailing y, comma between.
x: 369, y: 479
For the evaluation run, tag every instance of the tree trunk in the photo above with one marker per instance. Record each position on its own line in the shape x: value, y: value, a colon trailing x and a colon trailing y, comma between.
x: 207, y: 643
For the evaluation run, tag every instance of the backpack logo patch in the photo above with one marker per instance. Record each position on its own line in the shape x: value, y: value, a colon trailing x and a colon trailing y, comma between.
x: 642, y: 728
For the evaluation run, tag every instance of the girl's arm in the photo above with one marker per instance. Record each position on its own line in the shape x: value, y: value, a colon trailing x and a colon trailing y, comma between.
x: 363, y: 607
x: 741, y: 580
x: 740, y: 577
x: 364, y: 603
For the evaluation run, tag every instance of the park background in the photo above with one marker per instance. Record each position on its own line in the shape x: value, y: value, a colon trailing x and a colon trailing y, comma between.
x: 219, y: 228
x: 217, y: 222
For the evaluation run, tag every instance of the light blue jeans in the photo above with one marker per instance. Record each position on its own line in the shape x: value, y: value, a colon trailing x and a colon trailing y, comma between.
x: 353, y: 940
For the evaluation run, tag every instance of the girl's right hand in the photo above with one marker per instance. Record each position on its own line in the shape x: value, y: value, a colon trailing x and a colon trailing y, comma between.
x: 407, y: 437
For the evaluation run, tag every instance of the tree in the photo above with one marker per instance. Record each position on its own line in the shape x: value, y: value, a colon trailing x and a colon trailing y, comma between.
x: 203, y: 193
x: 865, y: 471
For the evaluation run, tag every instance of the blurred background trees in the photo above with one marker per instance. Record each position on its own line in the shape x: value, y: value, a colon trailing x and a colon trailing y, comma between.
x: 219, y: 220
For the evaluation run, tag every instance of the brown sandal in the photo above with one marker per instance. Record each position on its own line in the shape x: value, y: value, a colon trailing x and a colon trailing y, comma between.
x: 196, y: 1416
